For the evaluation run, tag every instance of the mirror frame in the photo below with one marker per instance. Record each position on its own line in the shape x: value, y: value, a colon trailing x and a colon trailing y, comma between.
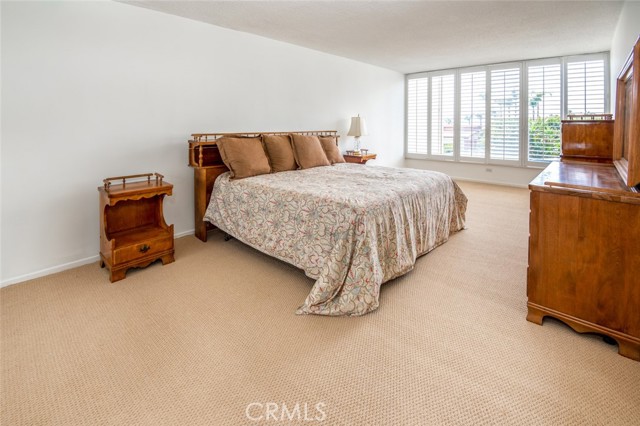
x: 629, y: 168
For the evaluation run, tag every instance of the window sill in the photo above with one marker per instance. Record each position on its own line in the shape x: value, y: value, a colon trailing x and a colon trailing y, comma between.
x: 537, y: 166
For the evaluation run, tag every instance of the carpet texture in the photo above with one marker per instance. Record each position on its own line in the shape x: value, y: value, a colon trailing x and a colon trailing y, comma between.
x: 197, y: 341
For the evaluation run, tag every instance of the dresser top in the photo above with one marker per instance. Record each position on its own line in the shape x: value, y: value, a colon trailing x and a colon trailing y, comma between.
x: 585, y: 179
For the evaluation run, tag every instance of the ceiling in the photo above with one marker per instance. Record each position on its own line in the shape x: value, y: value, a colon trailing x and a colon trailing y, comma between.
x: 413, y: 36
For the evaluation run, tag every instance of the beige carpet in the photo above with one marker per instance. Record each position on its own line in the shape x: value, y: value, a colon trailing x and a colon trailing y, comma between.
x: 197, y: 341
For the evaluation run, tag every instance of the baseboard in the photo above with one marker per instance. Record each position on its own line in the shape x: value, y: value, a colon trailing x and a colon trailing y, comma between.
x: 184, y: 233
x: 490, y: 182
x: 66, y: 266
x: 49, y: 271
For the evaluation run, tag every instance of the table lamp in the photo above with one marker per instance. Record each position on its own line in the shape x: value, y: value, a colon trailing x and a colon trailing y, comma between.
x: 358, y: 128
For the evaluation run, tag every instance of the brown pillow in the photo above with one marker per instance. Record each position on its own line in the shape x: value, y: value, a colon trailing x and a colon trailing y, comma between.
x: 244, y: 157
x: 330, y: 146
x: 308, y: 151
x: 279, y: 152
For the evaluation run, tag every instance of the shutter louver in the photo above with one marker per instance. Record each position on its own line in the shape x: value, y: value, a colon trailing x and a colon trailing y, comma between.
x: 442, y: 118
x: 473, y: 114
x: 417, y: 115
x: 505, y: 114
x: 545, y: 109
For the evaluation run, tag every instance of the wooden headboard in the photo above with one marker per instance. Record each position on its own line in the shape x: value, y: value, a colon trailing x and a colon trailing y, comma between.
x: 207, y: 164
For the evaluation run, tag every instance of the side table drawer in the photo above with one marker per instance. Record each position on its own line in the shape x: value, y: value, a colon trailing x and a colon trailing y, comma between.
x: 143, y: 249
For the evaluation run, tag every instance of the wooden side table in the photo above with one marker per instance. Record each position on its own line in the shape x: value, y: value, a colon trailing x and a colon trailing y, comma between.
x: 359, y: 159
x: 133, y: 232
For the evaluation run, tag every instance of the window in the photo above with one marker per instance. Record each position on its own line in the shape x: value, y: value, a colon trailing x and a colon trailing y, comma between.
x: 586, y: 87
x: 502, y: 114
x: 442, y: 120
x: 545, y: 108
x: 473, y: 114
x: 417, y: 97
x: 505, y: 114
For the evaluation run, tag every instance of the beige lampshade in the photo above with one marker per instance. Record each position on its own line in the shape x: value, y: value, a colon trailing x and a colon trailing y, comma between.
x: 358, y: 127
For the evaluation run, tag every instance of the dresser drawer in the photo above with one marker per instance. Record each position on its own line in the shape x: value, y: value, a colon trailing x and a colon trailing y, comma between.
x: 142, y: 249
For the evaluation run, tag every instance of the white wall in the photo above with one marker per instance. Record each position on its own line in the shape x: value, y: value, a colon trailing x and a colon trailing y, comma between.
x: 489, y: 173
x: 1, y: 180
x: 626, y: 34
x: 91, y: 90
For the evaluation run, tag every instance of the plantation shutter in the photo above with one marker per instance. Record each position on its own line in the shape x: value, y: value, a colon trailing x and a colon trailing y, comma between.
x: 473, y: 114
x: 417, y: 115
x: 544, y: 111
x: 586, y: 87
x: 442, y: 114
x: 505, y: 114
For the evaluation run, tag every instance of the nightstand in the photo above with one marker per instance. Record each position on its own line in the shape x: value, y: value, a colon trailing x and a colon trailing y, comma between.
x: 133, y: 232
x: 359, y: 159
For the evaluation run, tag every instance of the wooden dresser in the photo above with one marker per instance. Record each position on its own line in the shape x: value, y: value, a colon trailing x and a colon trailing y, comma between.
x: 584, y: 252
x: 584, y: 226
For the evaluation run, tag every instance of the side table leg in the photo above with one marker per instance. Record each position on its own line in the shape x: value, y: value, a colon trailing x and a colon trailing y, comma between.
x: 167, y: 258
x: 117, y: 275
x: 534, y: 315
x: 629, y: 349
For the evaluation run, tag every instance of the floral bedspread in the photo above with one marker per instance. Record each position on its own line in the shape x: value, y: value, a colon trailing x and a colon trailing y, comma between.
x: 349, y: 227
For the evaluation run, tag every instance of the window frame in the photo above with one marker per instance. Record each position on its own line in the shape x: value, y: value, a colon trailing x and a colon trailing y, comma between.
x: 523, y: 67
x: 583, y: 58
x: 406, y: 121
x: 487, y: 103
x: 430, y: 116
x: 497, y: 67
x: 407, y: 154
x: 563, y: 102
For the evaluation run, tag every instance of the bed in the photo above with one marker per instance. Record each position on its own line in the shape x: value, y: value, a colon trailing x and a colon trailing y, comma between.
x: 347, y: 226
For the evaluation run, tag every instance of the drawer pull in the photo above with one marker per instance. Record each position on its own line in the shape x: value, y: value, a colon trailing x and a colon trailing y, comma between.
x: 145, y: 248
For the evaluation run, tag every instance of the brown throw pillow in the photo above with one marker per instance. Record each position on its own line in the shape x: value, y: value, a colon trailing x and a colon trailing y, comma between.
x: 244, y: 157
x: 279, y: 152
x: 330, y: 146
x: 308, y: 151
